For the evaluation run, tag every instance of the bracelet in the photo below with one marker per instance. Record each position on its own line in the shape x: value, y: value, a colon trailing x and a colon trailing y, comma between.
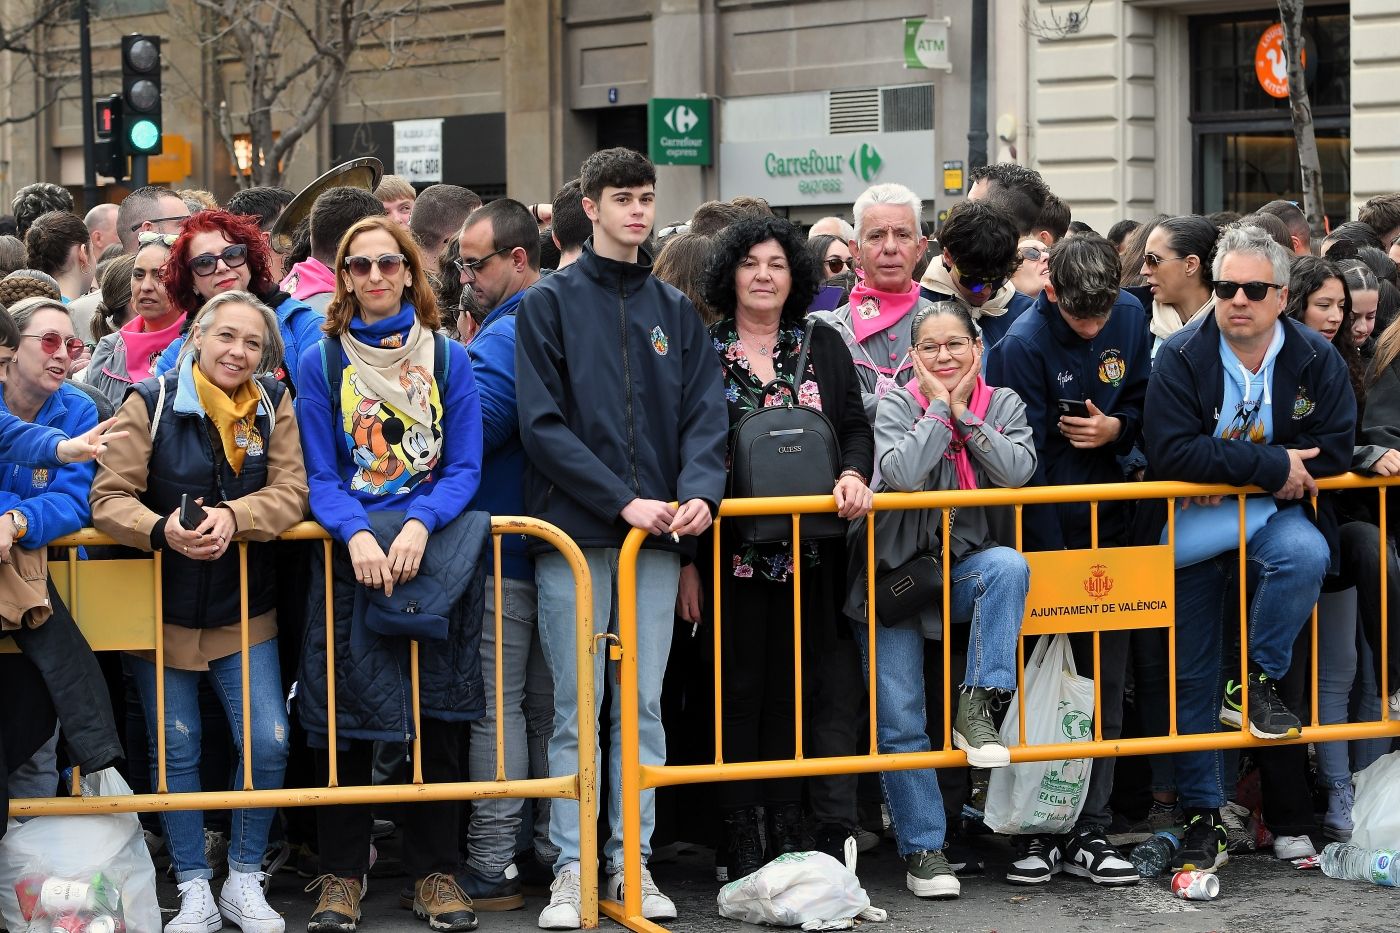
x: 856, y: 473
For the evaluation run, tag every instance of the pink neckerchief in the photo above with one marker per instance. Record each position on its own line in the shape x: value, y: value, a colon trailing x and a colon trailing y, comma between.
x: 873, y: 310
x: 144, y: 347
x: 957, y: 450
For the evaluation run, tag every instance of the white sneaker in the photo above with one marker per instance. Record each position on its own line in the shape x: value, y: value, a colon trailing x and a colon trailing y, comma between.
x: 1395, y: 703
x: 1291, y: 847
x: 562, y: 913
x: 243, y: 903
x: 655, y: 905
x: 198, y: 912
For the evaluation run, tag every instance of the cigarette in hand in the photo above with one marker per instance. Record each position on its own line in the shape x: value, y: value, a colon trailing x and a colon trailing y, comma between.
x: 675, y: 537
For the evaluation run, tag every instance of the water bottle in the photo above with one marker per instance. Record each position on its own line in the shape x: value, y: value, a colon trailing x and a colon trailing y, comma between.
x: 1152, y: 856
x: 1353, y: 863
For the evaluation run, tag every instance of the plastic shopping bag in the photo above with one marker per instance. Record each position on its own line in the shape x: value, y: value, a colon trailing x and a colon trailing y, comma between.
x: 82, y: 848
x: 1045, y: 796
x: 1376, y: 813
x: 807, y: 889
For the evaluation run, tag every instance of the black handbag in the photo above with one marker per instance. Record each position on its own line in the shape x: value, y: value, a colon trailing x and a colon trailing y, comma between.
x: 783, y: 450
x: 912, y: 587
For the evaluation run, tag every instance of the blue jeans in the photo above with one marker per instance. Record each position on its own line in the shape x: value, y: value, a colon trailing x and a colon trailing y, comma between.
x: 184, y: 830
x: 1337, y: 630
x: 989, y: 591
x: 658, y: 573
x: 1290, y: 557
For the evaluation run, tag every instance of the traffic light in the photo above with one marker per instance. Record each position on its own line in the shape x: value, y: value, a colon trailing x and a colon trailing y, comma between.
x: 111, y: 157
x: 142, y: 130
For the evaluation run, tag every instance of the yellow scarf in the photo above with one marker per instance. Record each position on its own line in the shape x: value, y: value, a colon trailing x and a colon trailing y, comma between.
x: 235, y: 417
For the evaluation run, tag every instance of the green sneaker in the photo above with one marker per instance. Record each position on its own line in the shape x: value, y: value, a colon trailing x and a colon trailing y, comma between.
x: 1231, y: 713
x: 975, y: 732
x: 928, y: 874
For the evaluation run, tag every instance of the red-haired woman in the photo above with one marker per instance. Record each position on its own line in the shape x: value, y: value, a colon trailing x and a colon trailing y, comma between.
x: 219, y: 252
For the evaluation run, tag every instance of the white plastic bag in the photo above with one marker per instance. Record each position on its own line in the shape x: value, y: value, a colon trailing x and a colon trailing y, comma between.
x: 80, y: 847
x: 807, y: 889
x: 1045, y: 796
x: 1376, y: 813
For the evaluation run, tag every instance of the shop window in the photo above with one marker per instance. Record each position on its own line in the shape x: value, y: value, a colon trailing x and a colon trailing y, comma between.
x: 1241, y: 171
x: 1223, y: 51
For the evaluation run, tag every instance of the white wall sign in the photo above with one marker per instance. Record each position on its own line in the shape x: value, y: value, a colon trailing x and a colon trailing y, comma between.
x: 828, y: 169
x: 418, y: 150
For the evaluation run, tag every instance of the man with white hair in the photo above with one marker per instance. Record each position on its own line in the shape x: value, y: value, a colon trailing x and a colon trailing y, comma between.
x: 1245, y: 397
x: 833, y: 226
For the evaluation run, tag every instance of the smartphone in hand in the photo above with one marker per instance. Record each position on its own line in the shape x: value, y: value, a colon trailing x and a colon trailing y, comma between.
x: 192, y: 514
x: 1072, y: 408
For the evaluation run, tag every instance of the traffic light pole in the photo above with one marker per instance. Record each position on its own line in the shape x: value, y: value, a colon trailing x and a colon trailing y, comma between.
x: 90, y: 191
x: 138, y: 171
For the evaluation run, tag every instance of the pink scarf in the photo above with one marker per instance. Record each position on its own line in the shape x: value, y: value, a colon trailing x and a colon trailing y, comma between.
x: 873, y: 310
x: 144, y: 347
x: 957, y: 449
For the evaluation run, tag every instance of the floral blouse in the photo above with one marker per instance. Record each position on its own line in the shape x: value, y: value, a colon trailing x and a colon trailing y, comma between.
x: 770, y: 561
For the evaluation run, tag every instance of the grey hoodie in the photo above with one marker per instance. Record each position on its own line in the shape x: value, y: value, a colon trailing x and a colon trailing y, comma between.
x: 909, y: 457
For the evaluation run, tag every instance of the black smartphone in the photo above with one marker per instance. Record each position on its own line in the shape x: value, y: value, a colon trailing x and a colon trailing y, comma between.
x: 1073, y: 408
x: 192, y: 514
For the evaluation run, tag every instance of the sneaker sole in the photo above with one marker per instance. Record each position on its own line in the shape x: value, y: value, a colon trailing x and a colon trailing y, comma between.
x: 1231, y: 718
x: 937, y: 889
x: 464, y: 926
x: 1261, y: 734
x: 1337, y: 835
x: 1111, y: 881
x: 479, y: 904
x: 1033, y: 880
x: 314, y: 927
x: 978, y: 757
x: 1221, y: 861
x: 212, y: 924
x: 560, y: 925
x: 275, y: 926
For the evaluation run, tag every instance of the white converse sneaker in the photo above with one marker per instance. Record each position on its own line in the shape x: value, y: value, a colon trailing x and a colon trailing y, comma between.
x: 198, y: 912
x: 655, y: 905
x: 562, y: 913
x: 243, y: 903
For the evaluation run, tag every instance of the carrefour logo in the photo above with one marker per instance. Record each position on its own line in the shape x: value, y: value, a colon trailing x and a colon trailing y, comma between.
x: 866, y: 162
x: 681, y: 119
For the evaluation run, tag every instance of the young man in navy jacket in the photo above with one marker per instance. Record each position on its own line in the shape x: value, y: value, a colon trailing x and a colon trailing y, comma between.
x: 1087, y: 342
x: 1245, y: 397
x: 622, y: 411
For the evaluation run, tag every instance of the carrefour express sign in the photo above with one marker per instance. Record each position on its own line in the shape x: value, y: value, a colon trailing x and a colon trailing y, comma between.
x: 829, y: 169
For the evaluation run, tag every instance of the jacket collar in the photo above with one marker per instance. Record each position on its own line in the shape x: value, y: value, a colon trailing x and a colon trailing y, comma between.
x: 509, y: 306
x: 614, y: 275
x: 1202, y: 344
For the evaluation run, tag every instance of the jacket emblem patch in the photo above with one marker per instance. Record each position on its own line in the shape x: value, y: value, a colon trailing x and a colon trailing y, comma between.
x: 1302, y: 405
x: 1112, y: 368
x: 39, y: 479
x: 247, y: 436
x: 659, y: 342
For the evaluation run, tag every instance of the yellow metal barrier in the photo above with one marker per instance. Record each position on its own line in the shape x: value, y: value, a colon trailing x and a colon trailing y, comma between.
x: 637, y: 777
x: 118, y: 607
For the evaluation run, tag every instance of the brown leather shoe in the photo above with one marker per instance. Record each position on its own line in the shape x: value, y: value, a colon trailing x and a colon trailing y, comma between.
x: 338, y: 910
x: 438, y: 900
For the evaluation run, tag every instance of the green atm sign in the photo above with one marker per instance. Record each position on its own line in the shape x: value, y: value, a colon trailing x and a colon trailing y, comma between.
x: 680, y: 131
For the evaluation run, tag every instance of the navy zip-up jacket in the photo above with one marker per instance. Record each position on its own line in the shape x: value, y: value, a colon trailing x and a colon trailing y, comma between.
x: 1043, y: 360
x: 1313, y: 406
x: 620, y: 396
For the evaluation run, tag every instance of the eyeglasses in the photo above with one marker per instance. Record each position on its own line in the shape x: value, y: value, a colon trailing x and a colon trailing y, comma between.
x: 836, y: 265
x: 51, y: 341
x: 1034, y: 253
x: 233, y: 256
x: 470, y: 266
x: 160, y: 220
x: 147, y: 237
x: 1254, y: 291
x: 1152, y: 260
x: 977, y: 285
x: 389, y: 264
x: 957, y: 346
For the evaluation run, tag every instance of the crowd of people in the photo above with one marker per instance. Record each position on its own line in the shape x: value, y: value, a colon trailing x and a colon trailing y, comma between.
x: 410, y: 363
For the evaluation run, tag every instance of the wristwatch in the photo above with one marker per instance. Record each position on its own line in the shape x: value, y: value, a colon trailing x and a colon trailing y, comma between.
x: 20, y: 522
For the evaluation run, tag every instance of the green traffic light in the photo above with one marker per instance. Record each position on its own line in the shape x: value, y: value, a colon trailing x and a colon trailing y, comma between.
x: 144, y: 135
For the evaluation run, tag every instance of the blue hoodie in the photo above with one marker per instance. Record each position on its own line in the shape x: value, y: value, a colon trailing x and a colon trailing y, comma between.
x: 299, y: 323
x: 502, y: 489
x: 28, y: 444
x: 436, y: 500
x: 54, y: 500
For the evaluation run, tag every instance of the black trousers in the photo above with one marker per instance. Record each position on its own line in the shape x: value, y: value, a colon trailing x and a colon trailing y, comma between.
x: 1360, y: 551
x: 430, y: 840
x: 28, y: 722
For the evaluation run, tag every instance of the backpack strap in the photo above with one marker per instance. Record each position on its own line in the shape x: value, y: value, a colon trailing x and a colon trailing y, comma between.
x: 801, y: 370
x: 160, y: 407
x: 442, y: 362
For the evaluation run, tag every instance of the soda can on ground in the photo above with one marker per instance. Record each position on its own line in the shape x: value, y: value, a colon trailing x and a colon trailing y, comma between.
x: 1196, y: 885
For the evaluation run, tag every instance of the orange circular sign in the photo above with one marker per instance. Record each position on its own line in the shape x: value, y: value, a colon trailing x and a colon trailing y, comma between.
x: 1270, y: 64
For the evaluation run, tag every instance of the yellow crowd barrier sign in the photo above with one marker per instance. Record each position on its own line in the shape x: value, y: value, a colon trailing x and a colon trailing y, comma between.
x: 1104, y: 589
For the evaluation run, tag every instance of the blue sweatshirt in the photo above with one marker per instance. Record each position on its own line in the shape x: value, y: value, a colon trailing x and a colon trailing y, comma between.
x: 54, y: 500
x: 28, y: 444
x: 502, y: 489
x: 438, y: 498
x: 299, y: 324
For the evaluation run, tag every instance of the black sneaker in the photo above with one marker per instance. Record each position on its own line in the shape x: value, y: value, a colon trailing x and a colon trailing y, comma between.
x: 1205, y: 847
x: 743, y: 845
x: 1231, y: 713
x: 1037, y: 860
x: 487, y: 892
x: 1269, y: 718
x: 787, y: 831
x: 831, y: 839
x: 1089, y: 854
x: 961, y: 856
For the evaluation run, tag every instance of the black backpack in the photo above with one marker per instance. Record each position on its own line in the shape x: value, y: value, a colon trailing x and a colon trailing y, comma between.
x: 784, y: 450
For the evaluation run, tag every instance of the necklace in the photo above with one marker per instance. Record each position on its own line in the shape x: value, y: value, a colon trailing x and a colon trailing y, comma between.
x: 765, y: 346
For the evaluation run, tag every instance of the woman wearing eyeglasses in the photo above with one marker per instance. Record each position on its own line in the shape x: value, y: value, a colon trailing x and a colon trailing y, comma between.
x: 391, y: 426
x: 129, y: 355
x: 218, y: 252
x: 1030, y: 276
x: 1176, y: 266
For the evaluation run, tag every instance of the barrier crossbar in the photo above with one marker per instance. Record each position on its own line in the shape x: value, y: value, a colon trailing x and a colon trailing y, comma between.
x: 136, y: 624
x: 638, y: 777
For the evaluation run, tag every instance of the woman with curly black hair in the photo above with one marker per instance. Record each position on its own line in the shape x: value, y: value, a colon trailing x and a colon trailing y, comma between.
x: 760, y: 279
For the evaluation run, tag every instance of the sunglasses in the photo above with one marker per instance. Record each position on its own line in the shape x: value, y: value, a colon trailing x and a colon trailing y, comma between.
x: 160, y: 220
x: 147, y: 237
x: 836, y: 265
x: 470, y: 266
x: 1254, y: 291
x: 389, y: 264
x: 233, y: 256
x: 1152, y: 260
x: 51, y: 342
x: 1034, y: 253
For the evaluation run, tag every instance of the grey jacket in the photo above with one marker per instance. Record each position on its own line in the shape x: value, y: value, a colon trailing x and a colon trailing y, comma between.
x: 879, y: 355
x: 107, y: 371
x: 910, y: 444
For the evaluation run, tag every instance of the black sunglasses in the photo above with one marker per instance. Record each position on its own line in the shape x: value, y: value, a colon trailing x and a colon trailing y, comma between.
x: 1254, y: 291
x: 836, y: 265
x: 470, y: 266
x: 389, y: 264
x: 233, y: 257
